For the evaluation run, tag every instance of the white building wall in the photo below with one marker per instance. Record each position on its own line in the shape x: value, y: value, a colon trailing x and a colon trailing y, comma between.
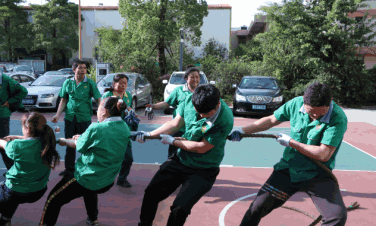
x: 217, y: 24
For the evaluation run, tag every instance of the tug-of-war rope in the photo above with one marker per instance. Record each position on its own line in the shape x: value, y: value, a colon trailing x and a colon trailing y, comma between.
x: 317, y: 220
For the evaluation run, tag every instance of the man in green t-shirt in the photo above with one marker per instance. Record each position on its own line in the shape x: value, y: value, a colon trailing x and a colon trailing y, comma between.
x: 317, y: 129
x: 10, y: 92
x: 177, y: 96
x: 76, y: 95
x: 207, y: 121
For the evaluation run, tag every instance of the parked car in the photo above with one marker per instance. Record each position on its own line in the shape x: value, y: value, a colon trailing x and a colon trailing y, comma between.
x: 22, y: 78
x: 139, y: 87
x: 44, y: 92
x: 3, y: 69
x: 257, y: 95
x: 67, y: 70
x: 177, y: 79
x: 55, y: 73
x: 23, y: 69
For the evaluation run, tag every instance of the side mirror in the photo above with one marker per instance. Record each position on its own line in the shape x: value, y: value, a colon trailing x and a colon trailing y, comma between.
x: 233, y: 85
x: 212, y: 82
x: 164, y: 81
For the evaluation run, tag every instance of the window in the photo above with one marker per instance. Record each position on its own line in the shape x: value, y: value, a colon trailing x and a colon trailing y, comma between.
x: 25, y: 78
x: 15, y: 77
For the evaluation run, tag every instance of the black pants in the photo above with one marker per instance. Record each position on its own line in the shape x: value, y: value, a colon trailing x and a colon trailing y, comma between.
x: 67, y: 190
x: 172, y: 173
x: 172, y: 148
x: 322, y: 189
x: 4, y: 131
x: 71, y: 129
x: 126, y: 165
x: 9, y: 199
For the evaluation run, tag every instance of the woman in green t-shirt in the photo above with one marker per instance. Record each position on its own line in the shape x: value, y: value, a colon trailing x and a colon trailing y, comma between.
x: 118, y: 89
x: 102, y: 147
x: 34, y: 155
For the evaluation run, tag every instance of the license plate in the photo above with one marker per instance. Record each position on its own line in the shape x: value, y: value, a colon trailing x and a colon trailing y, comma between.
x: 26, y: 101
x: 259, y: 107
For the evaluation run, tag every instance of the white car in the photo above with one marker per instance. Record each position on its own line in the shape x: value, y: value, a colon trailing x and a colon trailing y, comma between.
x: 44, y: 92
x: 23, y: 69
x: 24, y: 79
x: 177, y: 79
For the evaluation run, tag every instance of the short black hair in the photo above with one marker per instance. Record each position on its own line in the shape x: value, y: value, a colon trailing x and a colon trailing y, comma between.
x: 77, y: 62
x: 205, y: 98
x: 116, y: 78
x: 318, y: 95
x: 189, y: 71
x: 114, y: 107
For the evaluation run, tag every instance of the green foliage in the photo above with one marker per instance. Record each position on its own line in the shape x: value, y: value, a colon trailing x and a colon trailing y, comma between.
x: 92, y: 73
x: 231, y: 72
x: 251, y: 51
x: 154, y: 25
x: 56, y: 28
x: 15, y: 29
x: 317, y: 41
x: 213, y: 53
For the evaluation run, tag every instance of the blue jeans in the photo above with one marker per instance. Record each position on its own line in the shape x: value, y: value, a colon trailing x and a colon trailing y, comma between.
x: 9, y: 200
x: 4, y: 131
x: 126, y: 165
x: 71, y: 129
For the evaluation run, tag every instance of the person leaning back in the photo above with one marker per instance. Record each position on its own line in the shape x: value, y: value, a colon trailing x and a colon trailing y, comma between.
x: 317, y: 129
x: 76, y: 95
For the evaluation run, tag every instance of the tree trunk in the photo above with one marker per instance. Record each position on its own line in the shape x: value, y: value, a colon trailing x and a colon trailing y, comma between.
x: 161, y: 42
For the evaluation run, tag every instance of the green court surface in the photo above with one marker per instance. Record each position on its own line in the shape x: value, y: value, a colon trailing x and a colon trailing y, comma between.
x: 250, y: 152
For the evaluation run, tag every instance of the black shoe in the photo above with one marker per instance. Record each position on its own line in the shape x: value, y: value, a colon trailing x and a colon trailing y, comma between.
x: 62, y: 173
x: 91, y: 223
x: 125, y: 184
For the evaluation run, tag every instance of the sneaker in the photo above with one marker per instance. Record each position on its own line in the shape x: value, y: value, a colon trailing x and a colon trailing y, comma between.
x: 125, y: 184
x: 91, y: 223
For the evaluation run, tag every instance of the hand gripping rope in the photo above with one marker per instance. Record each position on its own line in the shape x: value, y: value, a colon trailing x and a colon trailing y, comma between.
x: 317, y: 220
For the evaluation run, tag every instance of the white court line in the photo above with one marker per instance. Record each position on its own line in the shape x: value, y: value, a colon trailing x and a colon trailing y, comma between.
x: 224, y: 211
x: 359, y: 149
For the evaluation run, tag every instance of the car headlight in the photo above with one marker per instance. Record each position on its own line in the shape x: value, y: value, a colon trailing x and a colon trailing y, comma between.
x: 239, y: 97
x: 46, y: 95
x: 278, y: 99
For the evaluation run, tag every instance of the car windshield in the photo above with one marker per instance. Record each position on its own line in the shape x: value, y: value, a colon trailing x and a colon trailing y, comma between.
x: 54, y: 73
x: 49, y: 81
x: 178, y: 79
x: 107, y: 81
x: 258, y: 83
x: 23, y: 68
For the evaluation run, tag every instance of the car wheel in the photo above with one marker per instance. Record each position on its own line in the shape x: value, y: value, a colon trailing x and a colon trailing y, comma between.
x: 134, y: 103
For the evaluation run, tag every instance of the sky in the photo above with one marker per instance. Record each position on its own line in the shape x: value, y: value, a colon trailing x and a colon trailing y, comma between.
x: 242, y: 11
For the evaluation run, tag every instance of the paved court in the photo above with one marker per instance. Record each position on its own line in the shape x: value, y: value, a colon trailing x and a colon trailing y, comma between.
x: 246, y: 166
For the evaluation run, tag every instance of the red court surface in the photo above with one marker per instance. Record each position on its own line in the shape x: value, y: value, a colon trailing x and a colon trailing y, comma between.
x: 225, y: 204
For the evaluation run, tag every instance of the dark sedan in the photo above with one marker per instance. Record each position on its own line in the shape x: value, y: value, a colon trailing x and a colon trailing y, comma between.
x: 257, y: 95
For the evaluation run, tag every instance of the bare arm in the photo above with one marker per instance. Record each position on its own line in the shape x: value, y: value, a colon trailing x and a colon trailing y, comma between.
x: 62, y: 105
x: 322, y: 153
x: 194, y: 146
x: 159, y: 106
x: 68, y: 142
x: 262, y: 124
x: 170, y: 127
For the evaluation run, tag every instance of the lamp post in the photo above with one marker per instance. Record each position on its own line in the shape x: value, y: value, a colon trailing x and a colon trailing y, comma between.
x: 79, y: 28
x: 181, y: 48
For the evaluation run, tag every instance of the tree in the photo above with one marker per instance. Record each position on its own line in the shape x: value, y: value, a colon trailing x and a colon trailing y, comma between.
x: 56, y: 28
x: 155, y: 24
x: 15, y: 29
x: 317, y: 41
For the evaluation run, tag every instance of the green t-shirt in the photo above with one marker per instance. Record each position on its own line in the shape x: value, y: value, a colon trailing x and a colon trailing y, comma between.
x: 79, y: 98
x: 28, y: 174
x: 215, y: 130
x: 329, y: 130
x: 8, y: 84
x: 102, y: 147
